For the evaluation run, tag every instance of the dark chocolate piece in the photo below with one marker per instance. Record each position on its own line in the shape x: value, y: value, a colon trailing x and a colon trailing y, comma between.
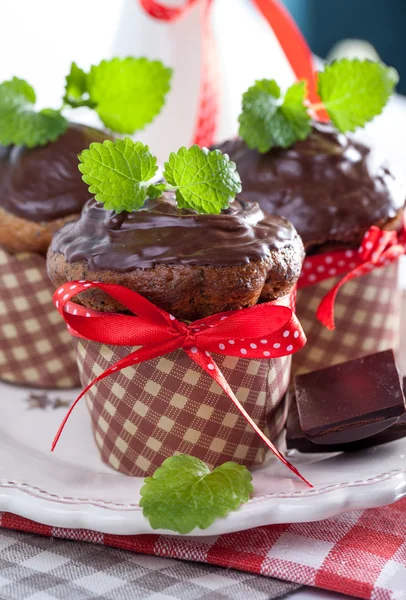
x: 329, y: 186
x: 44, y: 183
x: 160, y: 233
x: 350, y: 401
x: 296, y: 439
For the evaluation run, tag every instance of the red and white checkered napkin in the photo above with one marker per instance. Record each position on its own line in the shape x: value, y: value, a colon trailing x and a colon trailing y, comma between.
x: 362, y: 554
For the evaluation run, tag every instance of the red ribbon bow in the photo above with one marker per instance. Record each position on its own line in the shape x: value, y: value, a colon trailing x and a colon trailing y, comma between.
x: 378, y: 249
x: 289, y: 36
x: 264, y: 331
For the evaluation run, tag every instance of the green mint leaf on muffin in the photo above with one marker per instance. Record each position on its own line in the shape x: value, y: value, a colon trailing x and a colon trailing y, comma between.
x: 20, y: 123
x: 128, y: 93
x: 155, y: 190
x: 353, y: 92
x: 118, y: 173
x: 184, y: 494
x: 76, y: 92
x: 204, y: 181
x: 268, y: 119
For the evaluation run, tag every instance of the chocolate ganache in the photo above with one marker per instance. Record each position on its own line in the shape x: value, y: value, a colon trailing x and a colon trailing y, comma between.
x: 44, y: 183
x: 160, y: 233
x: 327, y: 185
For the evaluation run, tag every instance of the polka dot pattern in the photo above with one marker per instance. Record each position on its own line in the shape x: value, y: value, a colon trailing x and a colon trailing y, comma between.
x: 378, y: 248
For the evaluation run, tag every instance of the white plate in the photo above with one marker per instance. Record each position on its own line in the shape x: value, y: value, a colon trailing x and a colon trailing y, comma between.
x: 73, y: 488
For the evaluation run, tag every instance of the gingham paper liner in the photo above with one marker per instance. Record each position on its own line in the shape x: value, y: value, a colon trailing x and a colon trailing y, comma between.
x: 361, y: 553
x: 35, y: 348
x: 148, y: 412
x: 34, y: 567
x: 367, y: 319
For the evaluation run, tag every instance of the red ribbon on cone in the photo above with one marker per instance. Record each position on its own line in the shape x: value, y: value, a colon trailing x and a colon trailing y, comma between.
x: 264, y: 331
x: 287, y: 32
x: 378, y: 249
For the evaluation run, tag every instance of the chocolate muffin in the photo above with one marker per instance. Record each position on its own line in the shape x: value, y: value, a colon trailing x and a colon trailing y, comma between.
x: 192, y: 265
x: 329, y: 186
x: 41, y: 189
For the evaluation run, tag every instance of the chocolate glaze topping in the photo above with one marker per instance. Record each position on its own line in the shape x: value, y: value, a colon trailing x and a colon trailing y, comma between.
x: 328, y: 185
x: 44, y: 183
x: 160, y: 233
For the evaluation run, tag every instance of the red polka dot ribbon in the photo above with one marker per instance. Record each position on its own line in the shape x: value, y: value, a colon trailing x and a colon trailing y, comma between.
x: 264, y: 331
x: 378, y: 249
x: 289, y: 36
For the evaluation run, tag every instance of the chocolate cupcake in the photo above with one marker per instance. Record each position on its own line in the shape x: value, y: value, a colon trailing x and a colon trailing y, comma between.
x: 192, y: 249
x: 41, y: 189
x: 329, y: 186
x: 192, y: 265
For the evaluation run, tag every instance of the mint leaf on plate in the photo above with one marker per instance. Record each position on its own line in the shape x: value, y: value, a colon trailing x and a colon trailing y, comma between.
x: 183, y: 493
x: 128, y: 93
x: 354, y: 91
x: 118, y: 173
x: 20, y: 123
x: 267, y: 119
x: 204, y: 181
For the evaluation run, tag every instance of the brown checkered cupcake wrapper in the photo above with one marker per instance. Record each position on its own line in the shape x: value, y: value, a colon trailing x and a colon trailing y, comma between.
x: 35, y: 347
x: 165, y: 406
x: 367, y: 319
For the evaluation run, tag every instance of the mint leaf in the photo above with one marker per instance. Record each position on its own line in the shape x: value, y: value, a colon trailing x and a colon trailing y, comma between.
x: 183, y: 493
x: 128, y: 93
x: 155, y: 190
x: 76, y: 93
x: 354, y: 91
x: 269, y: 120
x: 295, y: 111
x: 204, y: 181
x: 20, y: 124
x: 118, y: 173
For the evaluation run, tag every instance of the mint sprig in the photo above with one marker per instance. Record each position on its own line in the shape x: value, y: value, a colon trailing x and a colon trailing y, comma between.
x: 76, y: 92
x: 127, y: 93
x: 204, y: 181
x: 352, y: 92
x: 20, y: 123
x: 119, y: 175
x: 268, y: 120
x: 184, y: 494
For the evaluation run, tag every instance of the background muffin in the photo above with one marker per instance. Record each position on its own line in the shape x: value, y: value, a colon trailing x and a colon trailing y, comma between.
x: 41, y: 189
x: 330, y: 186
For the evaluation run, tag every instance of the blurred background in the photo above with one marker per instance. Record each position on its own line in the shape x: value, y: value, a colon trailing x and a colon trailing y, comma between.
x: 380, y: 23
x: 39, y: 39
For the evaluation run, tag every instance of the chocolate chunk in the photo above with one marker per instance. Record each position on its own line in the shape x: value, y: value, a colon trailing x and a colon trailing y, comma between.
x: 296, y: 439
x: 350, y: 401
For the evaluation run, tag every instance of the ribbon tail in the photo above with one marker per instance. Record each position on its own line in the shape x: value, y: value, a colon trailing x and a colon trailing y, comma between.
x: 138, y: 356
x: 208, y: 364
x: 325, y: 311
